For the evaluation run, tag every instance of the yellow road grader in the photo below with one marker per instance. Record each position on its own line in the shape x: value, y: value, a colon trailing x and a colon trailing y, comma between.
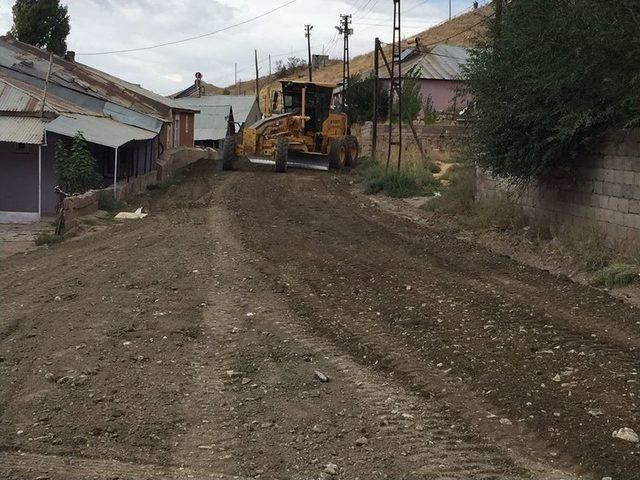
x: 306, y: 133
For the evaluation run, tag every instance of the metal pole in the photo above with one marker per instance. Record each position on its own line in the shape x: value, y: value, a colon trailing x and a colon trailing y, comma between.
x: 257, y: 80
x: 308, y: 29
x: 449, y: 10
x: 46, y: 87
x: 269, y: 64
x: 376, y: 92
x: 40, y: 181
x: 115, y: 176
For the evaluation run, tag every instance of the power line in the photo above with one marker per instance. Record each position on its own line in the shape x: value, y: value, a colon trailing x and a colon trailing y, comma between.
x: 151, y: 47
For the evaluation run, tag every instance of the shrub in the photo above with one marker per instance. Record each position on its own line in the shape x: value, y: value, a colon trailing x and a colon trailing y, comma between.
x: 458, y: 198
x: 107, y: 203
x: 553, y: 75
x: 409, y: 181
x: 46, y: 238
x: 76, y: 169
x: 617, y: 275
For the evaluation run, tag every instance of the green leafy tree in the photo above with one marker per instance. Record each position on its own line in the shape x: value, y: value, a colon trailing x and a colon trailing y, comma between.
x: 43, y: 23
x: 360, y: 100
x: 429, y: 113
x: 411, y: 97
x: 75, y: 168
x: 555, y: 75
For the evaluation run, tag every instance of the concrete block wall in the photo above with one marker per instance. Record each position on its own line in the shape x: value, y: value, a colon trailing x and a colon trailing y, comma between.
x: 432, y: 137
x: 604, y: 191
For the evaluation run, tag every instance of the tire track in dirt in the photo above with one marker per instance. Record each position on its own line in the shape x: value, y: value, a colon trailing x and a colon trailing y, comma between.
x: 357, y: 260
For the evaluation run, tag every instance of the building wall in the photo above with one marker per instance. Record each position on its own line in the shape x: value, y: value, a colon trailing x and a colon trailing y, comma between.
x: 18, y: 178
x: 605, y: 191
x: 444, y: 93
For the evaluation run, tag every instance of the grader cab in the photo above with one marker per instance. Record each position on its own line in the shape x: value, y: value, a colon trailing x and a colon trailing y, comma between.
x: 305, y: 133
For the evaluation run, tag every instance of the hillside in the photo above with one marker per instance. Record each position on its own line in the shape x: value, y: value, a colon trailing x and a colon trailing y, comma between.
x: 463, y: 30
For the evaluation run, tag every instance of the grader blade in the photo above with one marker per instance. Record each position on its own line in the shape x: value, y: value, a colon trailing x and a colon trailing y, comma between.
x: 306, y: 161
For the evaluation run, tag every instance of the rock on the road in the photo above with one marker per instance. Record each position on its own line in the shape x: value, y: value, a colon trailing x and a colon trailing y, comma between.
x: 626, y: 434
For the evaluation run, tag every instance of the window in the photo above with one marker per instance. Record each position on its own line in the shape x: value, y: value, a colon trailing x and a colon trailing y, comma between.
x: 186, y: 123
x: 20, y: 148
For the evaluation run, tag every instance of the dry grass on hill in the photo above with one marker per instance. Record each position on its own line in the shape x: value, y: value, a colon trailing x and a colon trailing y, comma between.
x: 461, y: 31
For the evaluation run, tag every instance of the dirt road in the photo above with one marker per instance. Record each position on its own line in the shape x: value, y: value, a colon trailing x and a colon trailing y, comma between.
x: 187, y: 345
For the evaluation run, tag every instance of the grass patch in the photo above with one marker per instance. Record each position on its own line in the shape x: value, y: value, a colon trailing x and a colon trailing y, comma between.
x: 617, y: 275
x: 411, y: 181
x: 587, y: 245
x: 108, y: 203
x: 46, y: 238
x: 174, y: 179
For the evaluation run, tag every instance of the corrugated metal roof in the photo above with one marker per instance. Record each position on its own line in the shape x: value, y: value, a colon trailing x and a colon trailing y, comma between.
x: 102, y: 131
x: 17, y: 96
x: 21, y: 130
x: 242, y: 105
x: 442, y: 62
x: 33, y: 61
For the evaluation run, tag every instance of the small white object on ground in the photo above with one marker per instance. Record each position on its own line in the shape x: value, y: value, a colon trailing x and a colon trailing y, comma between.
x: 137, y: 215
x: 626, y: 434
x: 331, y: 469
x: 321, y: 376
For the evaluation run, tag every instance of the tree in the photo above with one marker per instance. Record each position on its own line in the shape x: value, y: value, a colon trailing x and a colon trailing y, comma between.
x: 551, y: 77
x: 411, y: 96
x: 76, y: 169
x: 360, y: 100
x: 43, y: 23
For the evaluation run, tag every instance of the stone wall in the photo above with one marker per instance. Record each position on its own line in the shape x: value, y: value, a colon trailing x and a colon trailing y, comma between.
x: 432, y: 137
x: 605, y: 190
x: 166, y: 166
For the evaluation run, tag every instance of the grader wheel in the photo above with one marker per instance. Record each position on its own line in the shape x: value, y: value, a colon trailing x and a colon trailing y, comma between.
x: 338, y: 154
x: 281, y: 154
x: 229, y: 153
x: 353, y: 150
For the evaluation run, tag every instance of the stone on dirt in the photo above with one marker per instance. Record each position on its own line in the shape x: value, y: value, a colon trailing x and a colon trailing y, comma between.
x: 331, y: 469
x: 362, y: 441
x: 626, y: 434
x: 321, y: 376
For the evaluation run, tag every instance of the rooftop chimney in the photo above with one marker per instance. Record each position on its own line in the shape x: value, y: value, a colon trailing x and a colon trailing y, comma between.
x: 70, y: 56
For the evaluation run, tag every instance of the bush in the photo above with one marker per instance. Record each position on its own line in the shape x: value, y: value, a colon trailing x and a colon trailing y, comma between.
x: 107, y: 203
x: 75, y: 169
x: 552, y: 77
x: 46, y: 238
x: 410, y: 181
x: 458, y: 198
x: 617, y: 275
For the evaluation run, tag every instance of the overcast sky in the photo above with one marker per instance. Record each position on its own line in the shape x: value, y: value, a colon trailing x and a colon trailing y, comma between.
x: 107, y: 25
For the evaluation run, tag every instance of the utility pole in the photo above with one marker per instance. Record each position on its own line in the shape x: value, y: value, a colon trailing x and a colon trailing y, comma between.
x: 236, y: 77
x: 395, y: 86
x: 376, y: 94
x: 307, y: 34
x: 257, y: 80
x: 269, y: 64
x: 346, y: 31
x: 449, y: 10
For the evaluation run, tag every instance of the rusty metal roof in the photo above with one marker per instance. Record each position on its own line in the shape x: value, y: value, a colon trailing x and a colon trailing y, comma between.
x: 34, y: 62
x: 442, y: 62
x: 21, y: 129
x: 17, y: 96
